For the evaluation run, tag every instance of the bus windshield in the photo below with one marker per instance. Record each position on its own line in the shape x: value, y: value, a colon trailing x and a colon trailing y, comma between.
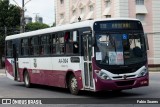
x: 119, y: 48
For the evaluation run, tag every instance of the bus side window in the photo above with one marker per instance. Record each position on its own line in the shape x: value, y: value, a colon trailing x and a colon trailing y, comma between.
x: 75, y: 42
x: 72, y: 42
x: 68, y: 42
x: 36, y: 46
x: 75, y: 48
x: 47, y: 47
x: 42, y: 43
x: 31, y: 42
x: 9, y: 49
x: 61, y: 41
x: 53, y: 44
x: 24, y: 47
x: 57, y: 44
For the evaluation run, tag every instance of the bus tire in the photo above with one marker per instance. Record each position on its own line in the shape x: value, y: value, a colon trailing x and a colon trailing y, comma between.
x: 73, y: 85
x: 27, y: 80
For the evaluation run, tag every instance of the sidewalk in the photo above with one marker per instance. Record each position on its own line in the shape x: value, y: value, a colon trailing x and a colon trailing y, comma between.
x: 2, y: 71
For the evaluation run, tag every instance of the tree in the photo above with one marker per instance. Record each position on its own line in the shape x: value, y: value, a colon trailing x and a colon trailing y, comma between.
x: 54, y: 24
x: 9, y: 14
x: 35, y: 26
x: 9, y: 21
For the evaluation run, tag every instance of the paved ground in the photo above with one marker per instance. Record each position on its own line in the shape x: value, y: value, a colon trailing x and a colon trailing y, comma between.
x: 12, y: 89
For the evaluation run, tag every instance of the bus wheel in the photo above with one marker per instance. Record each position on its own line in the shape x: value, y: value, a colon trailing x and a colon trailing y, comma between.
x: 27, y: 80
x: 73, y: 86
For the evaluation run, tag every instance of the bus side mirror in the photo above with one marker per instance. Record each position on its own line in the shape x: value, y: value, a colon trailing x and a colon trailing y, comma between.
x: 146, y: 41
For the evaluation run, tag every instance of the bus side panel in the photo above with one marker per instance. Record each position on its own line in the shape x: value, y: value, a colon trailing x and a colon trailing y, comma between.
x: 63, y: 65
x: 41, y: 72
x: 55, y: 78
x: 78, y: 75
x: 9, y: 66
x: 58, y: 78
x: 46, y: 72
x: 20, y: 71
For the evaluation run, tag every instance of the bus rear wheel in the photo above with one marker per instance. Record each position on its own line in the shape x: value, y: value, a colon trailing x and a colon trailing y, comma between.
x: 73, y: 85
x: 27, y: 79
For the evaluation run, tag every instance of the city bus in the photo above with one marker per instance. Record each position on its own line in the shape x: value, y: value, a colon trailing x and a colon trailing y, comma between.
x: 94, y: 55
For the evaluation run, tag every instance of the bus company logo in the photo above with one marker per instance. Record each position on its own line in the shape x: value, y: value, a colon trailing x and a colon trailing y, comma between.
x: 125, y: 77
x: 35, y: 63
x: 6, y: 101
x: 21, y: 101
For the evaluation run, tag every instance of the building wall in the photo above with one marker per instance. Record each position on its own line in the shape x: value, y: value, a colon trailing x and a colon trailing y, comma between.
x: 156, y: 30
x: 118, y: 8
x: 28, y: 19
x: 121, y: 8
x: 99, y: 8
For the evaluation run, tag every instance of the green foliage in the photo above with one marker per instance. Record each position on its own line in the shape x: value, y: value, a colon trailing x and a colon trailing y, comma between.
x: 9, y: 14
x: 9, y: 19
x: 54, y: 24
x: 35, y: 26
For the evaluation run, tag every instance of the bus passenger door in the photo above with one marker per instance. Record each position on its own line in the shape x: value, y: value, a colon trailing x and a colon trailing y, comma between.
x: 15, y: 62
x: 87, y: 50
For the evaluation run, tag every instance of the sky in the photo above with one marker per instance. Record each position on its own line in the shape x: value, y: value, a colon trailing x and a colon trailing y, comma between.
x: 43, y: 8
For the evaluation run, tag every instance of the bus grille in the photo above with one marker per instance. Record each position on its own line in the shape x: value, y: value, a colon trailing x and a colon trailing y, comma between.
x: 121, y: 77
x: 125, y: 83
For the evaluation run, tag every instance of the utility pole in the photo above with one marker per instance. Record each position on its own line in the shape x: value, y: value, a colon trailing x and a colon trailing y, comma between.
x: 36, y: 17
x: 22, y: 17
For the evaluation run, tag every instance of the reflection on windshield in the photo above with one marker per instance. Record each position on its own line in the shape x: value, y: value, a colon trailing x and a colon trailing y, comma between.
x: 119, y: 49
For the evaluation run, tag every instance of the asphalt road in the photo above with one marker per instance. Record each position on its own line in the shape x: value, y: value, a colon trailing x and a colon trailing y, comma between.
x: 12, y: 89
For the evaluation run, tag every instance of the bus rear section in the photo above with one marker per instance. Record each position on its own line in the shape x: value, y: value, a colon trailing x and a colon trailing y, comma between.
x: 11, y: 58
x: 120, y: 55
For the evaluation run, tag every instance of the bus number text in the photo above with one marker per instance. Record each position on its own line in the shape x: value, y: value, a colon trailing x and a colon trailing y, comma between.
x: 63, y: 61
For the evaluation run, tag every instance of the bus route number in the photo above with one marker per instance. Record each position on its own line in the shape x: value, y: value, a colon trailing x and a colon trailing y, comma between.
x: 63, y: 61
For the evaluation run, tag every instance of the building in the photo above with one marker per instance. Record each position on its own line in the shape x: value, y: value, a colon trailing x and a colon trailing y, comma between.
x: 28, y: 19
x: 68, y: 11
x: 38, y: 19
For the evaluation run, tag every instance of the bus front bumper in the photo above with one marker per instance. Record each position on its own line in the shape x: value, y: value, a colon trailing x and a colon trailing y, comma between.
x: 121, y: 84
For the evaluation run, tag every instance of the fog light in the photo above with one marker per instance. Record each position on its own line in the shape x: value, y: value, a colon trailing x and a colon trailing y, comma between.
x: 144, y: 82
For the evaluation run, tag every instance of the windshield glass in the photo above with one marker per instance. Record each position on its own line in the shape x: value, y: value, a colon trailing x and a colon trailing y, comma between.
x: 119, y: 49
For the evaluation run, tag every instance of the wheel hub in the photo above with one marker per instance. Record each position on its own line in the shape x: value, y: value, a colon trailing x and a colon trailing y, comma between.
x: 74, y: 84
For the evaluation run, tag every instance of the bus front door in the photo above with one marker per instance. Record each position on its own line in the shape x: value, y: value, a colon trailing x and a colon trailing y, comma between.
x: 87, y: 50
x: 15, y: 63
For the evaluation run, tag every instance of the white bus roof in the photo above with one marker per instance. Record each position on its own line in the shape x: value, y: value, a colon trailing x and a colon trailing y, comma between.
x: 87, y: 23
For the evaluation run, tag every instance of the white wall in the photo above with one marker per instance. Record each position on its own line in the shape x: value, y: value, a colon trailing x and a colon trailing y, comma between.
x: 156, y: 28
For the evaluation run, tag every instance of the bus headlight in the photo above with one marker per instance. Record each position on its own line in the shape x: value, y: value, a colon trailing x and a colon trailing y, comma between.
x: 102, y: 75
x: 144, y: 72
